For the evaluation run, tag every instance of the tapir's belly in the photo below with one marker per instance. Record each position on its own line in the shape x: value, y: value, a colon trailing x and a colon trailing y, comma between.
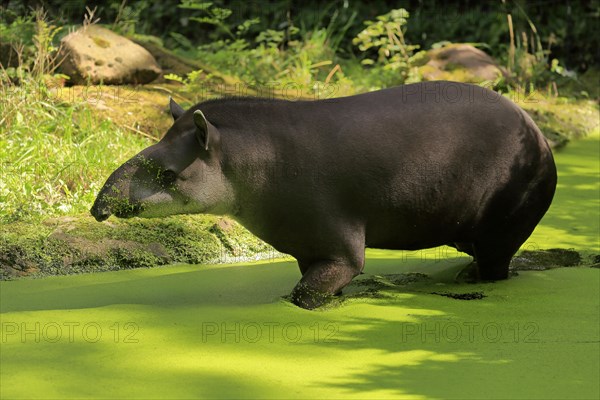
x: 413, y: 233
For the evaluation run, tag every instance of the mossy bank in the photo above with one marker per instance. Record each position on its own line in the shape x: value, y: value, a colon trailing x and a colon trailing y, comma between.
x: 76, y: 244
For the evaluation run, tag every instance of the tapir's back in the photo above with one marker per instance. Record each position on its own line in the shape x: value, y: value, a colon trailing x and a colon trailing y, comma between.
x: 424, y: 117
x: 409, y: 137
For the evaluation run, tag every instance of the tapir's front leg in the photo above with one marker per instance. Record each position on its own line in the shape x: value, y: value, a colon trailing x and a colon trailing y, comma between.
x: 322, y: 279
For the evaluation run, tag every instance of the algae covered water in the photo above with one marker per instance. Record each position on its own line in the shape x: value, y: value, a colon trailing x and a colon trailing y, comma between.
x: 402, y: 330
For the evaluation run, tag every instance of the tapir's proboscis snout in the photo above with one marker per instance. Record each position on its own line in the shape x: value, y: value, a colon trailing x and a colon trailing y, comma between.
x: 114, y: 197
x: 404, y: 168
x: 100, y: 211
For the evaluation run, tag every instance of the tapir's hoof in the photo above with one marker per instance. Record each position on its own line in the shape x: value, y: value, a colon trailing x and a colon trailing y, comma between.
x: 306, y: 297
x: 469, y: 274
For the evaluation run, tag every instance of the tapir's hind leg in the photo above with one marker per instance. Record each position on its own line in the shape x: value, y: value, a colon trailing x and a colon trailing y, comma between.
x: 493, y: 259
x: 496, y: 247
x: 510, y: 223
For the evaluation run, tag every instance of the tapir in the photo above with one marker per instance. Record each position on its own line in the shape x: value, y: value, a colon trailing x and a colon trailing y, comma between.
x: 407, y: 168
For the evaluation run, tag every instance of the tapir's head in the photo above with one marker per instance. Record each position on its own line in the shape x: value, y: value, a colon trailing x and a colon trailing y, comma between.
x: 181, y: 174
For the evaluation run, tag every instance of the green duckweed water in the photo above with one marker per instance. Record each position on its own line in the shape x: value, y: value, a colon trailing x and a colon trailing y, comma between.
x: 225, y: 332
x: 573, y: 220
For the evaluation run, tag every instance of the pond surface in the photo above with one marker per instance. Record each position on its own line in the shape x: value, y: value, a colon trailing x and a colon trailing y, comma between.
x: 402, y: 331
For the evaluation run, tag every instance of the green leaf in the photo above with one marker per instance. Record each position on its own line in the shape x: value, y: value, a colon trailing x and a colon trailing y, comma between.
x: 193, y: 5
x: 174, y: 77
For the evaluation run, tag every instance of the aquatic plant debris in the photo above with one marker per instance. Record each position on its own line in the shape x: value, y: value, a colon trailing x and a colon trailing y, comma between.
x: 462, y: 296
x: 540, y: 260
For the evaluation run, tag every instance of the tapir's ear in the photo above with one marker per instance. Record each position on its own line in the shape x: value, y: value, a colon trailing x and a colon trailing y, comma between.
x: 176, y: 110
x: 205, y: 132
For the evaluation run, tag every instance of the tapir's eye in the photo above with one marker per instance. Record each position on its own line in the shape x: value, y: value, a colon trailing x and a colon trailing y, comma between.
x: 168, y: 177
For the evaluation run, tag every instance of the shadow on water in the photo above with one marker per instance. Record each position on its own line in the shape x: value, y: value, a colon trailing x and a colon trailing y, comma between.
x: 190, y: 286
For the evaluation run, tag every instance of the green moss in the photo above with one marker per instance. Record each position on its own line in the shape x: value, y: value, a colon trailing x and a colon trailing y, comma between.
x: 458, y: 73
x: 72, y: 245
x: 133, y: 258
x: 100, y: 42
x: 235, y: 239
x: 199, y: 249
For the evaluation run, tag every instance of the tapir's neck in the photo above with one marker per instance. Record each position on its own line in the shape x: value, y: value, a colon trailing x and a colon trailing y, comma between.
x: 255, y: 139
